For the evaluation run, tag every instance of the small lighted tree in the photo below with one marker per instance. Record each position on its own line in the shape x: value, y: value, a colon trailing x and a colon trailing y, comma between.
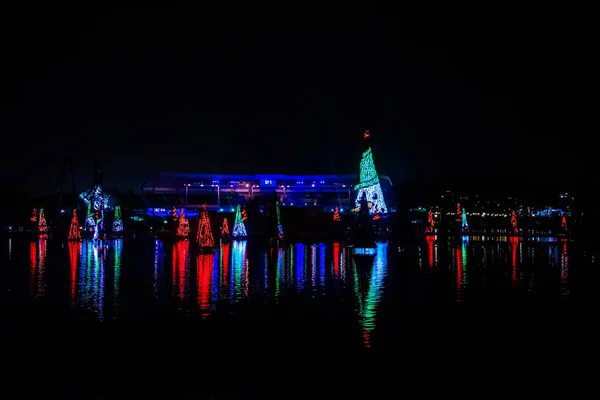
x: 225, y: 228
x: 239, y: 227
x: 42, y: 225
x: 430, y: 222
x: 336, y: 215
x: 34, y: 215
x: 458, y: 213
x: 183, y: 228
x: 464, y: 224
x: 74, y: 233
x: 513, y: 221
x: 118, y: 220
x: 563, y: 223
x: 204, y: 236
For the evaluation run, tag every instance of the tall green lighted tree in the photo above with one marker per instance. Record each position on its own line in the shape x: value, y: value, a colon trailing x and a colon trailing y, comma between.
x: 239, y: 228
x: 118, y: 221
x: 369, y: 181
x: 279, y: 226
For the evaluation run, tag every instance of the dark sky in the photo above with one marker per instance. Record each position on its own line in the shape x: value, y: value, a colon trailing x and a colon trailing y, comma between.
x: 492, y: 93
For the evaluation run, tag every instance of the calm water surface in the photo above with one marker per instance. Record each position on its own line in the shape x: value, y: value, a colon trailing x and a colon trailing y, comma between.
x: 300, y: 298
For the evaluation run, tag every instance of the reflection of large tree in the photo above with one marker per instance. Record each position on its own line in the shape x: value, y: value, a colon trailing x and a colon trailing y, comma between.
x: 368, y: 285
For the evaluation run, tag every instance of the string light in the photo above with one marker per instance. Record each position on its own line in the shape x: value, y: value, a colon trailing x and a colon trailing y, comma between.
x: 74, y: 233
x: 239, y: 228
x: 279, y: 226
x: 183, y: 228
x: 118, y: 220
x: 205, y: 237
x: 42, y: 225
x: 369, y: 182
x: 225, y: 228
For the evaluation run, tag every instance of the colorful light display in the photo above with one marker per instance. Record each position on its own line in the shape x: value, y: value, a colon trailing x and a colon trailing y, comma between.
x: 34, y: 215
x: 513, y: 221
x: 225, y: 228
x: 239, y: 228
x: 204, y: 236
x: 118, y: 221
x: 430, y: 222
x: 369, y: 182
x: 279, y: 226
x: 183, y: 228
x: 42, y: 225
x: 336, y: 215
x: 74, y: 233
x: 464, y: 224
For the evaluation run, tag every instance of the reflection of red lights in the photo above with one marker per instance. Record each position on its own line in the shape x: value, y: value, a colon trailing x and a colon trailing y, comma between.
x: 204, y: 263
x: 32, y: 266
x: 225, y: 268
x: 459, y: 274
x: 73, y: 257
x: 336, y: 260
x: 430, y: 241
x: 180, y: 258
x: 514, y: 249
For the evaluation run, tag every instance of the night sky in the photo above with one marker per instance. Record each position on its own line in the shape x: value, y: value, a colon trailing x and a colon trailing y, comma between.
x: 497, y: 95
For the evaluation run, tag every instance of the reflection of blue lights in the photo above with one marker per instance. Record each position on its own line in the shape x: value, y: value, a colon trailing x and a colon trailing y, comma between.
x: 300, y: 251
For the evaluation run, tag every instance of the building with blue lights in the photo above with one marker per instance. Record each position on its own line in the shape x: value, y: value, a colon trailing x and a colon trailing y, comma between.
x: 222, y: 192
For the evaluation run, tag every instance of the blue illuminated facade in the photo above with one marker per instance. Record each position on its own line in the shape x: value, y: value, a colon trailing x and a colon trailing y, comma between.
x: 222, y: 192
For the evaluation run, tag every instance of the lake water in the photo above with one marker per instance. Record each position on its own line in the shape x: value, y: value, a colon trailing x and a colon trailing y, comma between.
x: 132, y: 307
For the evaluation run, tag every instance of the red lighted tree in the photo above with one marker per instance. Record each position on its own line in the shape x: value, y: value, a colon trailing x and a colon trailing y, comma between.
x: 183, y: 228
x: 376, y: 214
x: 204, y: 237
x: 458, y: 213
x: 513, y: 221
x: 336, y: 215
x: 42, y: 225
x: 34, y: 215
x: 563, y: 223
x: 430, y: 222
x: 74, y: 233
x: 225, y: 228
x: 244, y: 215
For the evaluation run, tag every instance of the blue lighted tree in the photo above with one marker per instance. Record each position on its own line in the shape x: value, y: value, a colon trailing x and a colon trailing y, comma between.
x: 118, y: 221
x: 239, y: 228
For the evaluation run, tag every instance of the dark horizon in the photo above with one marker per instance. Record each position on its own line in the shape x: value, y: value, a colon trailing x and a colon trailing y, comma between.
x: 162, y: 89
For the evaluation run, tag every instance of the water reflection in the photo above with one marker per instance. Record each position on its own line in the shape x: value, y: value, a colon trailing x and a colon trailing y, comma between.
x: 564, y: 271
x: 37, y: 262
x: 204, y: 269
x: 514, y: 251
x: 158, y: 264
x: 368, y: 285
x: 181, y: 269
x: 462, y: 277
x: 91, y: 277
x: 238, y: 281
x: 74, y: 255
x: 9, y: 248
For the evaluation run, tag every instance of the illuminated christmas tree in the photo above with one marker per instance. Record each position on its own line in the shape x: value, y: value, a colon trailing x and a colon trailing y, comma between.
x: 244, y: 215
x: 183, y: 228
x: 225, y: 229
x: 42, y: 225
x: 118, y: 221
x: 336, y: 215
x: 34, y: 215
x: 513, y: 222
x: 369, y: 180
x: 458, y: 213
x: 204, y: 237
x: 279, y: 226
x: 430, y: 222
x: 239, y: 228
x: 563, y: 223
x: 74, y: 233
x: 464, y: 224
